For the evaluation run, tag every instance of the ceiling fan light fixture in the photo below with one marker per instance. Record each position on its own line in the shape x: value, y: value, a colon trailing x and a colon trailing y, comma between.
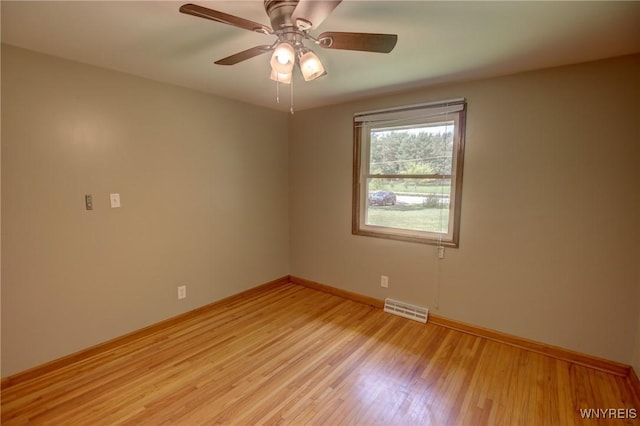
x: 283, y: 58
x: 281, y: 77
x: 310, y: 65
x: 291, y: 23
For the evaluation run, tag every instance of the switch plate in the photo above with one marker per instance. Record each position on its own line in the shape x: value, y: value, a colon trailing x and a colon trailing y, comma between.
x: 88, y: 202
x: 115, y: 200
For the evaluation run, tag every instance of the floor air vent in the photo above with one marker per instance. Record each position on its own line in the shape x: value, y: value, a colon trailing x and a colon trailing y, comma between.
x: 406, y: 310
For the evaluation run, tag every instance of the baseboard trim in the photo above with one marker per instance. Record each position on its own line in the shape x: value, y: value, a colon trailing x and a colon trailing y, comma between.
x: 129, y: 337
x: 376, y: 303
x: 635, y: 382
x: 530, y: 345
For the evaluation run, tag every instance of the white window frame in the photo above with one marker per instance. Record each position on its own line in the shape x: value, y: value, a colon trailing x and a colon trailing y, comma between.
x: 428, y: 114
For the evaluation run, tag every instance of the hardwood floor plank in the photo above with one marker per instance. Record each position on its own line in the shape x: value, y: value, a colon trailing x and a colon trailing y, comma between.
x: 289, y: 354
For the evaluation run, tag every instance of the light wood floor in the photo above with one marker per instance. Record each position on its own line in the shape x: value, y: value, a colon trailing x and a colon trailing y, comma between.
x: 293, y: 355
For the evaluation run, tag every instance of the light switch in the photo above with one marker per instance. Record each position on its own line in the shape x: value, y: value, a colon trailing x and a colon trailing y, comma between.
x: 88, y: 202
x: 115, y: 200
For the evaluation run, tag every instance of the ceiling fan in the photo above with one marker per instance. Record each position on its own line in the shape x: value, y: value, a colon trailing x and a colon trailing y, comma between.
x: 291, y: 22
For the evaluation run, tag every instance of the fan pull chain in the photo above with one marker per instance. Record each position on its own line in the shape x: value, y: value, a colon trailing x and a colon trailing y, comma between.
x: 291, y: 100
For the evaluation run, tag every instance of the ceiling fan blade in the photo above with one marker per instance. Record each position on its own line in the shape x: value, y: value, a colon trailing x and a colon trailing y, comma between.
x: 225, y: 18
x: 244, y: 55
x: 367, y: 42
x: 314, y: 11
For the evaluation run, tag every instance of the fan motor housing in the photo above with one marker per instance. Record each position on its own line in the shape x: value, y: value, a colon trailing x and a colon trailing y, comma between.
x: 279, y: 12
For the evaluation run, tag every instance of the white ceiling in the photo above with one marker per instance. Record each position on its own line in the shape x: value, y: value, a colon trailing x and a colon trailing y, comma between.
x: 437, y: 42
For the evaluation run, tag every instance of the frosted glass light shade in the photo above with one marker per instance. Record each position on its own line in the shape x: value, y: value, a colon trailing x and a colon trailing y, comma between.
x: 281, y: 77
x: 311, y: 66
x: 283, y: 58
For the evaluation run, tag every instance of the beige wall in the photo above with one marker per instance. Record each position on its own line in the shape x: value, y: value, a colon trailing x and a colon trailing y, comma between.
x: 550, y: 227
x: 204, y: 190
x: 550, y: 214
x: 636, y: 355
x: 636, y: 358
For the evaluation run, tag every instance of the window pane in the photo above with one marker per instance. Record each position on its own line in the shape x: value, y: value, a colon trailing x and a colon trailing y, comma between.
x: 408, y: 173
x: 422, y: 149
x: 413, y: 204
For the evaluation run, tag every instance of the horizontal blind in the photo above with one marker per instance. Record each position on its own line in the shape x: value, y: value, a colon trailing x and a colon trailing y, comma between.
x: 411, y: 112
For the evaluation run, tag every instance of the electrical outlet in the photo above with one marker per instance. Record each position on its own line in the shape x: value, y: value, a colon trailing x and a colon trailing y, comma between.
x: 182, y: 292
x: 384, y: 281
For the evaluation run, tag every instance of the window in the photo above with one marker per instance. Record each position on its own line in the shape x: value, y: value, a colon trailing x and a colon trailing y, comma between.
x: 408, y: 172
